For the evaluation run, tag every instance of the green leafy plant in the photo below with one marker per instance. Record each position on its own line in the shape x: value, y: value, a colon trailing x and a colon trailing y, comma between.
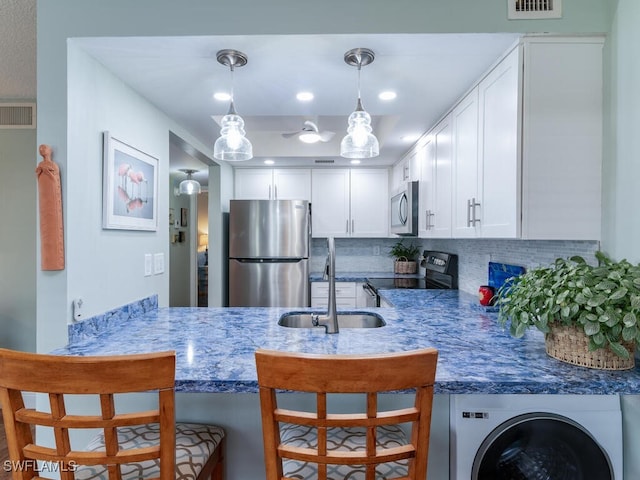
x: 409, y: 252
x: 603, y: 299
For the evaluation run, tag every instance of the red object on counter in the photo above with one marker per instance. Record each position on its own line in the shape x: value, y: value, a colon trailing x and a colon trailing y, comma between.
x: 486, y: 295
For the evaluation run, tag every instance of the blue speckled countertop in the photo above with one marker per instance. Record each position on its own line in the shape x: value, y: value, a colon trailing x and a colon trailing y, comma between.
x: 215, y: 346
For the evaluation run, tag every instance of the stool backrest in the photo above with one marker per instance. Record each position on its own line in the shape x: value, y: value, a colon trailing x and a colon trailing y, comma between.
x: 347, y: 374
x: 103, y: 377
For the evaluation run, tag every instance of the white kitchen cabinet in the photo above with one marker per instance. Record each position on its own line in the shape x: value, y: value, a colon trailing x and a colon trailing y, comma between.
x: 346, y: 296
x: 527, y: 146
x: 407, y: 169
x: 273, y: 184
x: 464, y: 118
x: 350, y: 203
x: 434, y: 218
x: 498, y: 186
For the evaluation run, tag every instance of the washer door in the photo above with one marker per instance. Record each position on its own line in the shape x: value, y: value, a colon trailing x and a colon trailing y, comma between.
x: 540, y: 446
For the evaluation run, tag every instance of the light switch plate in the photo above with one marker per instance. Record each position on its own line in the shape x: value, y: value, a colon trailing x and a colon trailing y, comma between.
x: 148, y: 264
x: 158, y: 263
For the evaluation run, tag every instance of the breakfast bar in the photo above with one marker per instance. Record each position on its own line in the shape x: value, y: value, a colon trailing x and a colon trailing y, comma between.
x: 215, y: 346
x: 216, y: 377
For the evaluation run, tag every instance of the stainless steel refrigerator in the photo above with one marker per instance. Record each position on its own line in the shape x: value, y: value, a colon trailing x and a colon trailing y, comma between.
x: 269, y: 253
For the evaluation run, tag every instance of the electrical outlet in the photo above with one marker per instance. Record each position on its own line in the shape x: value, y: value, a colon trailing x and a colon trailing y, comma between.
x: 148, y: 264
x: 376, y: 249
x: 158, y: 263
x: 78, y: 311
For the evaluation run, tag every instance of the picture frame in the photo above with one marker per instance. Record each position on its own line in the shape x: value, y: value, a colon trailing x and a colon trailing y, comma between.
x: 184, y: 215
x: 130, y: 187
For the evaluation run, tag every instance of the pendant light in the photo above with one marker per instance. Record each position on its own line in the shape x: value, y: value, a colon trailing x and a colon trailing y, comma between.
x: 359, y: 141
x: 232, y: 145
x: 189, y: 186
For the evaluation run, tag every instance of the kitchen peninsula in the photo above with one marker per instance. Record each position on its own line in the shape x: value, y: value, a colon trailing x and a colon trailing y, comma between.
x: 215, y: 346
x: 216, y: 378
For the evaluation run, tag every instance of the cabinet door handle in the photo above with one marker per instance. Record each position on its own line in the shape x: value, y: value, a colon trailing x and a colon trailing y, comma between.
x: 474, y: 218
x: 269, y: 192
x: 275, y: 192
x: 347, y: 225
x: 353, y: 226
x: 468, y: 212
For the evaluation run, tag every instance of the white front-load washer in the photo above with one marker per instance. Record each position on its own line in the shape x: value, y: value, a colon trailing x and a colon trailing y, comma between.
x: 535, y: 437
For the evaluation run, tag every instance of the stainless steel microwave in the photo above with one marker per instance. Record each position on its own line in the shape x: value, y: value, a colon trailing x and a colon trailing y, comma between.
x: 404, y: 210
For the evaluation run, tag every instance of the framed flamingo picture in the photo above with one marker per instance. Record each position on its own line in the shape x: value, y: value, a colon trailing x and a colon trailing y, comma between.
x: 130, y: 187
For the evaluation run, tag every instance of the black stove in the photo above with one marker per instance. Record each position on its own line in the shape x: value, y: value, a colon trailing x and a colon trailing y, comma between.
x: 441, y: 273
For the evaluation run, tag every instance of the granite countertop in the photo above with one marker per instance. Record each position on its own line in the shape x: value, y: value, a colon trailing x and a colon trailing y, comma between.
x: 215, y: 346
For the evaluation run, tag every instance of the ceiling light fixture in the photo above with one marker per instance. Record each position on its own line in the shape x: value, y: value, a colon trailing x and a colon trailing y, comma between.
x: 232, y: 145
x: 304, y: 96
x: 359, y: 141
x: 189, y: 186
x: 387, y: 95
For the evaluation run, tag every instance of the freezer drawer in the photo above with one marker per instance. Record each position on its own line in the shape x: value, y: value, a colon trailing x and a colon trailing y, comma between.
x: 269, y: 283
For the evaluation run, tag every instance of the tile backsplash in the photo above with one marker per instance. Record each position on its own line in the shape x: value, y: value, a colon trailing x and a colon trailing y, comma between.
x: 474, y: 255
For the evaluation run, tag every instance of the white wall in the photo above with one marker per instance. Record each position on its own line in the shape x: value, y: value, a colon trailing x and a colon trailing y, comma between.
x: 18, y: 154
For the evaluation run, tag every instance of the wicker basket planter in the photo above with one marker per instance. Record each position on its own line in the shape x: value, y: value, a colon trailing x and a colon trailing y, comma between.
x: 404, y: 266
x: 570, y: 344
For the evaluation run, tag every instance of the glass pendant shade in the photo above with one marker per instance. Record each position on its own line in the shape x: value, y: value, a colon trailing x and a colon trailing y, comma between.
x: 189, y: 186
x: 232, y: 145
x: 359, y: 141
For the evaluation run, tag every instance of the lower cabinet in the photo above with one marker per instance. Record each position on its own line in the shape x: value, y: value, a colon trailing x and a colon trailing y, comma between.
x: 348, y: 295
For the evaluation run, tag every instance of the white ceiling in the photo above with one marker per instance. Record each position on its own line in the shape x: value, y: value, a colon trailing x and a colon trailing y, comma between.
x: 180, y: 74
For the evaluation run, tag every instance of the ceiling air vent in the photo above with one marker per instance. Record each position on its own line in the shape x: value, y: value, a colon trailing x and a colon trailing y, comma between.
x: 18, y: 115
x: 534, y: 9
x: 318, y: 160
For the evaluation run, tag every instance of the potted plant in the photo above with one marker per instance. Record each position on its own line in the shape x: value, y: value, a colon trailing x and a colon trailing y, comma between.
x: 405, y: 257
x: 589, y: 313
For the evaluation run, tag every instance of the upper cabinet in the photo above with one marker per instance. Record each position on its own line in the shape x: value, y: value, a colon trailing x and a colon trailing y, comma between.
x: 526, y: 147
x: 350, y: 203
x: 273, y: 184
x: 435, y: 164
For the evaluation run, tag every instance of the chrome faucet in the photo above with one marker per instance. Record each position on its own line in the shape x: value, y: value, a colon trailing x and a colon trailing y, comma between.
x: 330, y: 320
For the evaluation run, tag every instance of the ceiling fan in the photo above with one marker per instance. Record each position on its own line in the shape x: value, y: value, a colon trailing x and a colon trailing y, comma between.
x: 309, y: 133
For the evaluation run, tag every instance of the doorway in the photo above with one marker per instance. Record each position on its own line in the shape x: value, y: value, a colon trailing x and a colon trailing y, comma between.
x: 189, y: 227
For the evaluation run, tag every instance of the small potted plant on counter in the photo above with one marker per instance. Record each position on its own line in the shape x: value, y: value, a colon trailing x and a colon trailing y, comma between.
x: 590, y: 314
x: 405, y: 257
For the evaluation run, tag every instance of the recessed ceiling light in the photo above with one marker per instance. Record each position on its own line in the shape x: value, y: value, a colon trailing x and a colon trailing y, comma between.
x: 222, y: 96
x: 304, y: 96
x: 355, y: 162
x: 387, y: 95
x: 269, y: 162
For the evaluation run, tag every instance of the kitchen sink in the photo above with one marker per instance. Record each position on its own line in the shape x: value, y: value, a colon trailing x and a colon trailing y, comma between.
x: 345, y: 320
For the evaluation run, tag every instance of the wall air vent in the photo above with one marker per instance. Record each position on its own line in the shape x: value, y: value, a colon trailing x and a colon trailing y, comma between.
x: 325, y: 161
x: 17, y: 115
x: 534, y: 9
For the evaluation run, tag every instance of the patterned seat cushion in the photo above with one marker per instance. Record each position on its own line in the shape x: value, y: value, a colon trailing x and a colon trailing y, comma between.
x: 348, y: 439
x: 194, y: 444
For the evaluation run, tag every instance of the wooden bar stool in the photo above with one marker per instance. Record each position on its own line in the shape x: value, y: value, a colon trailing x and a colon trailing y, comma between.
x: 369, y: 444
x: 133, y: 445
